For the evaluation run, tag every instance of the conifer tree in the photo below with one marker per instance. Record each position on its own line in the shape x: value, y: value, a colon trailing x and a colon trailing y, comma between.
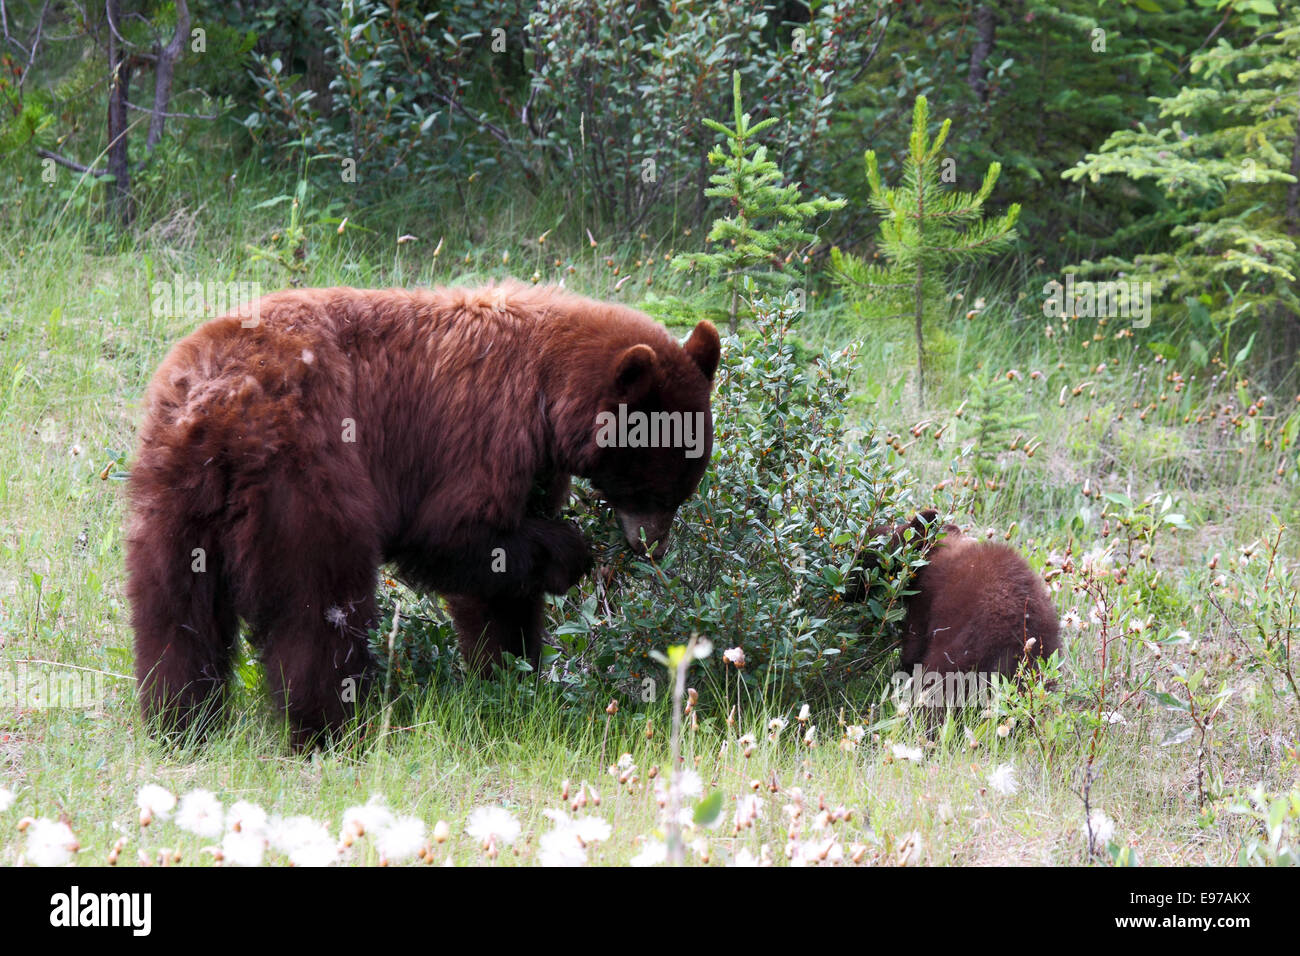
x: 765, y: 231
x: 926, y: 228
x: 1228, y: 162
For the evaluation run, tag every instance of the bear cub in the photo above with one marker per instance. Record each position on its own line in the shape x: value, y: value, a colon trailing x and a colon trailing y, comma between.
x: 978, y: 607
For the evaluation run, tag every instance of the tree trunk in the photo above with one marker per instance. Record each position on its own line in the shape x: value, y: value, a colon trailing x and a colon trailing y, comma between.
x: 918, y: 291
x: 119, y: 66
x: 986, y: 24
x: 920, y: 345
x: 163, y: 73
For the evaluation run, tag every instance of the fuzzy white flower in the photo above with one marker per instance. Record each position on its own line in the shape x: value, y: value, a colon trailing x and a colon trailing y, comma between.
x: 904, y: 752
x: 652, y: 854
x: 155, y: 801
x: 371, y: 818
x: 243, y: 847
x: 1072, y: 620
x: 686, y: 818
x: 50, y: 843
x: 6, y: 799
x: 561, y: 847
x: 816, y: 852
x: 734, y: 655
x: 1003, y: 779
x: 689, y: 783
x: 743, y: 857
x: 585, y: 829
x: 200, y: 813
x: 401, y: 839
x: 591, y: 829
x: 493, y: 825
x: 285, y: 833
x: 246, y: 817
x: 321, y: 851
x: 1103, y: 827
x: 304, y: 841
x: 749, y: 807
x: 1098, y: 559
x: 775, y: 726
x: 804, y: 713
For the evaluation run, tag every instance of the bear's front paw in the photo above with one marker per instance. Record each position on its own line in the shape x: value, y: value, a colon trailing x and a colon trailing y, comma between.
x: 564, y: 560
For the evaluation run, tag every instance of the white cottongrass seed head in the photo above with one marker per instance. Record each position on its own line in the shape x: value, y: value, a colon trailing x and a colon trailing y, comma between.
x: 200, y: 813
x: 689, y: 783
x: 561, y: 847
x: 246, y: 817
x: 244, y: 847
x: 493, y: 825
x: 304, y: 841
x: 744, y: 857
x: 652, y: 854
x: 371, y: 818
x: 50, y: 843
x: 401, y: 840
x: 1103, y: 827
x: 156, y: 801
x: 904, y: 752
x: 1003, y: 779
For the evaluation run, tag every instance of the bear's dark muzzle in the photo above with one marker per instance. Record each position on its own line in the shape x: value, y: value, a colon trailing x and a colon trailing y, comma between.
x: 654, y: 527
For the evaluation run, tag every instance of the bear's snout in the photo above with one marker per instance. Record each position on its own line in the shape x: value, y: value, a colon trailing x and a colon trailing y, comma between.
x: 655, y: 527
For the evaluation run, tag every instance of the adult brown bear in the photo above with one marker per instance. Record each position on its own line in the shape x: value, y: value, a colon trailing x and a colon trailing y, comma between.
x: 979, y: 608
x: 290, y: 448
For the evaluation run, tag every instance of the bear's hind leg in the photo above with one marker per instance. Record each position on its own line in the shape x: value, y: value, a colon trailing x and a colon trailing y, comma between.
x: 487, y: 627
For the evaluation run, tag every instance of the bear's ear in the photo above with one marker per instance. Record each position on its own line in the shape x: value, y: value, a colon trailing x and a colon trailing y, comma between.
x: 634, y: 373
x: 924, y: 518
x: 704, y: 348
x: 924, y: 524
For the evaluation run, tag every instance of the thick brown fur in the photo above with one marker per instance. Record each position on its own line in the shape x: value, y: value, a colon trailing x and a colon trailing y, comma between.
x: 978, y: 607
x: 289, y: 449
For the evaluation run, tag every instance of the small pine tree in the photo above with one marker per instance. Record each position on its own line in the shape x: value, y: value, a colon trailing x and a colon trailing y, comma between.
x: 925, y: 229
x: 766, y: 228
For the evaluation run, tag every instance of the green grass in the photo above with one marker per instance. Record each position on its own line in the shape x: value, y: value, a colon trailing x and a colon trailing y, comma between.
x: 78, y: 342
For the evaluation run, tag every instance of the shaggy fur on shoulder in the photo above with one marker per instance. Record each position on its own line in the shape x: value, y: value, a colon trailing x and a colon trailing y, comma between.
x: 289, y: 449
